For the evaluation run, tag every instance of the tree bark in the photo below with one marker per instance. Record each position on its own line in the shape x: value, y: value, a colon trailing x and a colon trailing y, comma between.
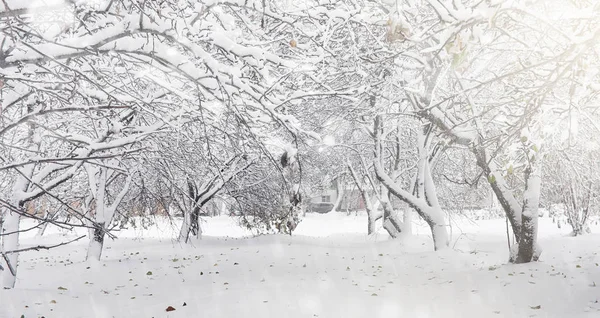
x: 96, y: 245
x: 9, y: 231
x: 509, y: 204
x: 98, y: 179
x: 191, y: 225
x: 340, y: 195
x: 372, y: 213
x: 527, y: 243
x: 391, y: 223
x: 10, y: 242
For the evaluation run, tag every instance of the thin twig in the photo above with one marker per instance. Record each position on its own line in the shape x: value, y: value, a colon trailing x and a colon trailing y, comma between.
x: 41, y: 247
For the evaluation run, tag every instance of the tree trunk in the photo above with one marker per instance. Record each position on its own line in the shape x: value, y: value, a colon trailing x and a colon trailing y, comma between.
x: 98, y: 178
x: 195, y: 221
x: 425, y: 202
x: 523, y: 220
x: 94, y: 251
x: 10, y: 220
x: 527, y: 243
x: 190, y: 225
x: 370, y: 224
x: 435, y: 217
x: 440, y: 236
x: 372, y: 214
x: 340, y: 195
x: 10, y: 242
x: 9, y: 231
x: 391, y: 223
x: 186, y: 225
x: 524, y: 226
x: 372, y: 217
x: 509, y: 204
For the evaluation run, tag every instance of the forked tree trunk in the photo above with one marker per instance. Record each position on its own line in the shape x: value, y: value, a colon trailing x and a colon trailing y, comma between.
x: 191, y: 225
x: 205, y: 192
x: 473, y: 137
x: 98, y: 179
x: 425, y: 202
x: 523, y: 219
x: 372, y: 214
x: 372, y: 222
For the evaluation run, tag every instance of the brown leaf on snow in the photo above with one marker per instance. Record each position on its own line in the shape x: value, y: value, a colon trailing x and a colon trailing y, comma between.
x: 170, y: 308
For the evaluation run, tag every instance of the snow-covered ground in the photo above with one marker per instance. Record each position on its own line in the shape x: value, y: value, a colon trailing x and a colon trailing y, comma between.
x: 329, y: 268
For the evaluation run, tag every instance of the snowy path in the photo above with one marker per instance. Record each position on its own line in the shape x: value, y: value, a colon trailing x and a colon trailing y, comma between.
x: 344, y: 275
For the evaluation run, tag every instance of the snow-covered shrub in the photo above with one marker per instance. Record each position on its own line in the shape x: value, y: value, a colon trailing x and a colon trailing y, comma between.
x: 264, y: 201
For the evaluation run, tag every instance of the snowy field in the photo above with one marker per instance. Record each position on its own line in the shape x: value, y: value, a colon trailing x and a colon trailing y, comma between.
x: 330, y: 268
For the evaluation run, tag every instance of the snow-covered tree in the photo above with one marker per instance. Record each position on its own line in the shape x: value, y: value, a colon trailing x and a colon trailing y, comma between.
x: 142, y: 65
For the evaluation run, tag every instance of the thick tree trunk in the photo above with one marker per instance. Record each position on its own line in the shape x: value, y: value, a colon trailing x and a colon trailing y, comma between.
x: 523, y: 220
x: 371, y: 224
x: 440, y: 236
x: 195, y: 221
x: 391, y: 228
x: 527, y: 243
x: 190, y: 225
x: 98, y: 178
x: 434, y: 217
x: 94, y: 251
x: 372, y: 216
x: 186, y: 226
